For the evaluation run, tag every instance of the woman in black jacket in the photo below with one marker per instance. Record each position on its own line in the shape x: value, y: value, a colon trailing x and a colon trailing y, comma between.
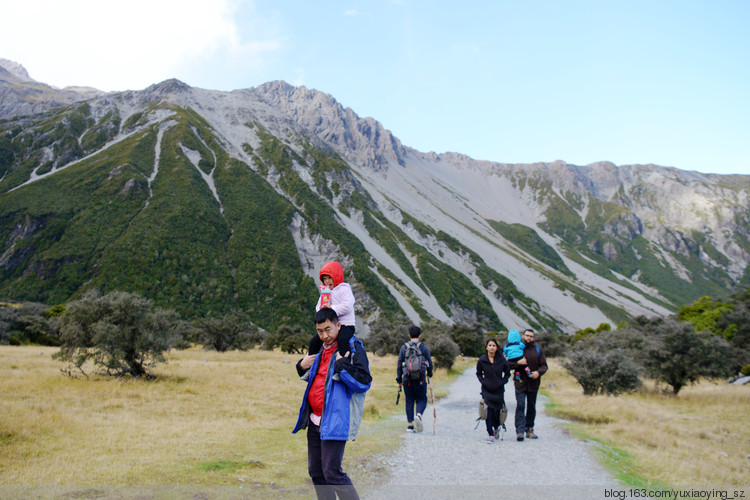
x: 493, y: 373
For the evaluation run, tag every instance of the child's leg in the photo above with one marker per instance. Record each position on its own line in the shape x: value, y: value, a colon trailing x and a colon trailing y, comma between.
x: 315, y: 344
x: 345, y: 334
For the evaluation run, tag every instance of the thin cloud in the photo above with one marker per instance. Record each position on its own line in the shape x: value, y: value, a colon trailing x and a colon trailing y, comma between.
x: 118, y: 46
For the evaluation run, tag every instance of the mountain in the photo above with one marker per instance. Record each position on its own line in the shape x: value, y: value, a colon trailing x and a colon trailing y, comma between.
x: 205, y: 201
x: 22, y: 95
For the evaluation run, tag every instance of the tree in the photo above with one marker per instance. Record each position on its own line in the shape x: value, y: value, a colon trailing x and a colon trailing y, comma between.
x: 736, y: 322
x: 232, y: 331
x: 469, y: 338
x: 443, y: 349
x: 553, y: 344
x: 290, y: 339
x: 602, y: 371
x: 388, y: 334
x: 679, y: 355
x: 705, y: 314
x: 26, y: 322
x: 119, y: 333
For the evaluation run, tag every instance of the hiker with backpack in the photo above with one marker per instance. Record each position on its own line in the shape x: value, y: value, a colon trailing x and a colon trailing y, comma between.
x: 414, y: 366
x: 527, y: 384
x: 493, y: 373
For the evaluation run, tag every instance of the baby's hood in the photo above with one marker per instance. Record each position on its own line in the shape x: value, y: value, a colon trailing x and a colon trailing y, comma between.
x: 514, y: 336
x: 335, y: 271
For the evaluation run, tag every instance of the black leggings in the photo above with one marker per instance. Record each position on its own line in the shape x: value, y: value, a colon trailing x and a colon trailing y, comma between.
x: 493, y: 419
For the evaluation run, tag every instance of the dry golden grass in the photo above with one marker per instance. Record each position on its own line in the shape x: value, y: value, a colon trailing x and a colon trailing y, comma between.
x: 699, y: 438
x: 207, y: 419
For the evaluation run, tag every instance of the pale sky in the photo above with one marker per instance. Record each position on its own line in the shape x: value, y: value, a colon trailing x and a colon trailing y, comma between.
x: 637, y: 81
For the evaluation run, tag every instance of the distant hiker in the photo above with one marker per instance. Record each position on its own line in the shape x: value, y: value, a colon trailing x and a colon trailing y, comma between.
x: 493, y: 373
x: 527, y: 386
x: 513, y: 350
x: 331, y: 408
x: 414, y: 365
x: 337, y: 295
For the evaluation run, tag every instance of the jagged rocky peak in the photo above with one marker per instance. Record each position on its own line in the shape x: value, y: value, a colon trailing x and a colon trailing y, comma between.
x: 171, y: 86
x: 15, y: 69
x: 361, y: 140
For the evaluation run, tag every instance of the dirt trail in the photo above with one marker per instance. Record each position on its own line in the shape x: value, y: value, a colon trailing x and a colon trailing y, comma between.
x: 457, y: 462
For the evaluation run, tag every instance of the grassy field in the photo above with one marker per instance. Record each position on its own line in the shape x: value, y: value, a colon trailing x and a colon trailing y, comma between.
x: 699, y: 438
x: 225, y: 419
x: 207, y: 418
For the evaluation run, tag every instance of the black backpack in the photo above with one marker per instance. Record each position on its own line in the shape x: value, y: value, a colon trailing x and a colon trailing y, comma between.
x: 413, y: 361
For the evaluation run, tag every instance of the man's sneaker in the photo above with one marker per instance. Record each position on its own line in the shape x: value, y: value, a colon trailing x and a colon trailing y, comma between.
x: 497, y: 433
x: 519, y: 437
x: 530, y: 433
x: 418, y: 423
x: 410, y: 428
x: 490, y: 439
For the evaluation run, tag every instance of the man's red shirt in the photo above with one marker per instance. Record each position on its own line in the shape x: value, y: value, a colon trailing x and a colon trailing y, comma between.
x: 316, y: 396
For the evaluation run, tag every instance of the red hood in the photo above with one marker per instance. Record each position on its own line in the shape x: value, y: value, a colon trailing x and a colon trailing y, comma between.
x: 335, y: 271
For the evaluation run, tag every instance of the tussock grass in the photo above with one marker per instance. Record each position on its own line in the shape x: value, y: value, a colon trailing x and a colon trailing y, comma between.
x: 208, y: 418
x: 699, y: 438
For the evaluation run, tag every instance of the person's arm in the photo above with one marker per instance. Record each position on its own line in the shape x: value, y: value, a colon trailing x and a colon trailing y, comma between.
x: 305, y: 364
x: 354, y: 370
x: 400, y: 365
x: 480, y: 372
x: 542, y: 369
x: 343, y: 299
x: 427, y: 356
x: 506, y: 372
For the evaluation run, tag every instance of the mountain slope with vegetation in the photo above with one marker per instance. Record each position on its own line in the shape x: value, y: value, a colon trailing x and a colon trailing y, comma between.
x: 206, y: 202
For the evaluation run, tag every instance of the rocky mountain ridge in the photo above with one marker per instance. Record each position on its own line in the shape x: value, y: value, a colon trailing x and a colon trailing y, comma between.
x: 428, y: 235
x: 21, y: 95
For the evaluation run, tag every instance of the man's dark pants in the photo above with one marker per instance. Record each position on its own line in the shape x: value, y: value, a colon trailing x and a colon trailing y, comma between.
x: 415, y: 390
x: 324, y: 465
x: 525, y: 410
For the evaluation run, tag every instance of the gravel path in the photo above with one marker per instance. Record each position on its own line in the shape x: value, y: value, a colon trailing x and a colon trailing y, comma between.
x: 457, y: 462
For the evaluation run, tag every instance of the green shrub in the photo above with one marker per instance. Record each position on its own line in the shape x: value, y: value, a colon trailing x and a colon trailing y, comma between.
x: 601, y: 371
x: 469, y: 338
x: 120, y: 333
x: 553, y: 344
x: 443, y: 349
x: 387, y: 335
x: 233, y: 331
x: 290, y: 339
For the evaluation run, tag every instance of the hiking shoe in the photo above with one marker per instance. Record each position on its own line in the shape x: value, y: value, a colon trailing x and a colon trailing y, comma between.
x: 418, y: 423
x: 410, y: 428
x: 497, y: 433
x: 490, y: 439
x: 530, y: 433
x: 519, y: 437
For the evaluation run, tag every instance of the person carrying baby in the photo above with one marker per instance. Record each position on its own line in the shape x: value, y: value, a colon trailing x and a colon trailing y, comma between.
x: 513, y: 350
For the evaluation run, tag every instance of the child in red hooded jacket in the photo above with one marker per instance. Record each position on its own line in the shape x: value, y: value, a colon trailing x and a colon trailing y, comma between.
x: 339, y: 298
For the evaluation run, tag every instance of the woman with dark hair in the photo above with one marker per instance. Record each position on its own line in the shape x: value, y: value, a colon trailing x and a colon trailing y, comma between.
x: 493, y: 373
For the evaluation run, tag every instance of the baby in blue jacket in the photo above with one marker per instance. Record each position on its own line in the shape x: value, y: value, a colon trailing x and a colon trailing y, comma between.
x: 513, y: 350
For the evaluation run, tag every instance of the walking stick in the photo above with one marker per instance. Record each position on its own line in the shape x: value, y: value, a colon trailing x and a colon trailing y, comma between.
x: 398, y: 395
x: 434, y: 411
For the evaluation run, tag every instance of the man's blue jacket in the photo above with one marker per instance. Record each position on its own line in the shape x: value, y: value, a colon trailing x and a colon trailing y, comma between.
x: 344, y: 399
